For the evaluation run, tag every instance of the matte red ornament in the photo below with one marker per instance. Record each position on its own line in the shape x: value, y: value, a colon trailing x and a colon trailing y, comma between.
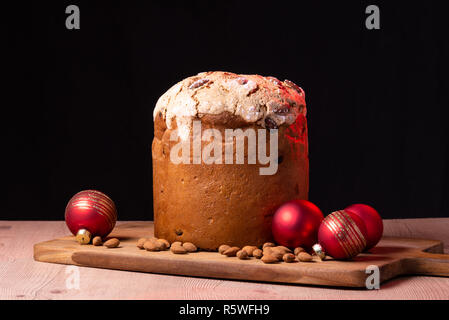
x: 373, y: 222
x: 90, y: 213
x: 296, y: 223
x: 342, y: 235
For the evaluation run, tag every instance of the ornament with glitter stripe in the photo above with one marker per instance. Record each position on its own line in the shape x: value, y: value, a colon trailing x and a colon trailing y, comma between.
x: 90, y: 213
x: 342, y: 235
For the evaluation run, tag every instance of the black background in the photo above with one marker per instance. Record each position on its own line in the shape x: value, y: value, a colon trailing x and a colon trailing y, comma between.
x: 77, y: 106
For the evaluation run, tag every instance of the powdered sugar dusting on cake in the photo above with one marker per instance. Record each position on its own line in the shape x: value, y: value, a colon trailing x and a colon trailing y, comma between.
x: 255, y: 98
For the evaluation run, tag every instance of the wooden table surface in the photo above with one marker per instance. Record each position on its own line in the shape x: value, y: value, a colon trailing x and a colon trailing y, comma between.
x: 23, y: 278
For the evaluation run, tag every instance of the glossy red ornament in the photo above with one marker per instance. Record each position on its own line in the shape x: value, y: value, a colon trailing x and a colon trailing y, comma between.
x: 296, y: 223
x: 90, y: 213
x: 342, y: 235
x: 373, y: 223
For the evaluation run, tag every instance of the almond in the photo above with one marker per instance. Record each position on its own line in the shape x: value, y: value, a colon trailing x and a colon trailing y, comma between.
x: 198, y: 83
x: 288, y: 257
x: 161, y: 245
x: 298, y: 250
x: 257, y: 253
x: 112, y: 243
x: 304, y: 257
x: 167, y: 244
x: 96, y: 241
x: 141, y: 242
x: 268, y: 244
x: 150, y: 246
x: 223, y: 248
x: 273, y: 251
x: 249, y: 250
x: 178, y: 249
x: 231, y: 252
x: 190, y: 247
x: 176, y: 243
x: 284, y: 249
x: 242, y: 254
x: 268, y: 258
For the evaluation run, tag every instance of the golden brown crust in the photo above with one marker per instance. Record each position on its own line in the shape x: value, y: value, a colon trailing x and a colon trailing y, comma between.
x: 214, y: 204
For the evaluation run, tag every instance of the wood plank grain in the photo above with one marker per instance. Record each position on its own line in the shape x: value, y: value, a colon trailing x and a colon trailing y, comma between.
x: 23, y: 278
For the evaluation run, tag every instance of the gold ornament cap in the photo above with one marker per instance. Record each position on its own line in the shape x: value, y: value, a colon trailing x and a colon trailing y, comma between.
x: 319, y: 251
x: 83, y: 236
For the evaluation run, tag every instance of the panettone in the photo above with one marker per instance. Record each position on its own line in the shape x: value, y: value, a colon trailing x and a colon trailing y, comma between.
x: 212, y: 201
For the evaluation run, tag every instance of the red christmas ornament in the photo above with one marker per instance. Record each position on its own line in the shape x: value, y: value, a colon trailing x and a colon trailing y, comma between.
x: 342, y: 235
x: 90, y: 213
x: 296, y: 223
x: 373, y: 223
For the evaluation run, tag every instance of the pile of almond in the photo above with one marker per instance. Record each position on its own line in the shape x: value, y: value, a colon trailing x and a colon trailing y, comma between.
x: 110, y: 243
x: 270, y: 253
x: 155, y: 244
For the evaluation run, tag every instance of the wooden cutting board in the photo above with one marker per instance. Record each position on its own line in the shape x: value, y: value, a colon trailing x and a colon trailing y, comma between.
x: 393, y: 256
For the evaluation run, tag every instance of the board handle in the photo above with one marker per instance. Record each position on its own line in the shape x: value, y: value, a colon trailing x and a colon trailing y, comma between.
x: 426, y: 263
